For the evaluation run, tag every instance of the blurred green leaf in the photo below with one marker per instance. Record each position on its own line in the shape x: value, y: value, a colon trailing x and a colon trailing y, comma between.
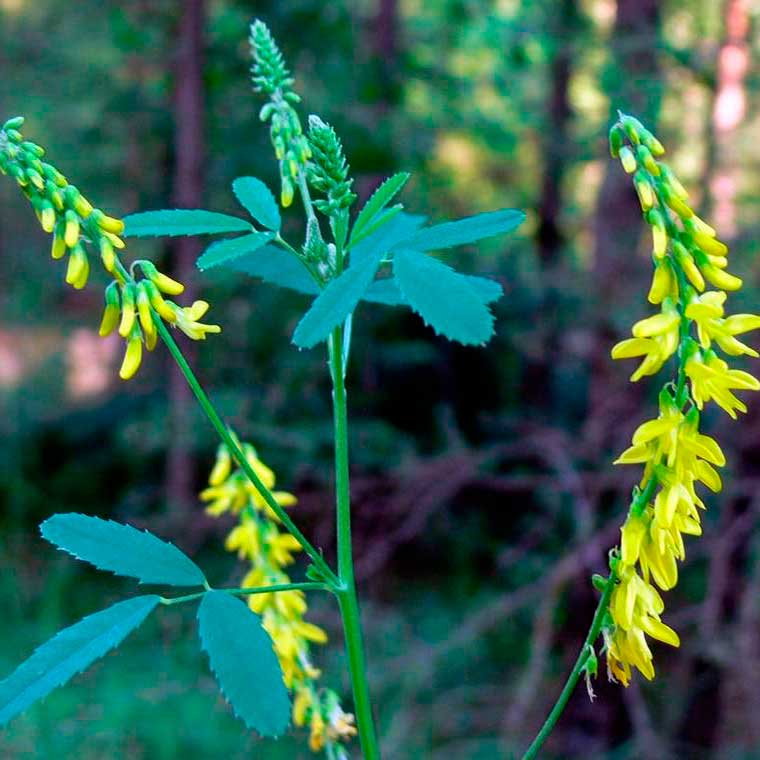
x: 69, y: 652
x: 173, y: 222
x: 243, y: 660
x: 258, y: 199
x: 122, y: 550
x: 224, y: 252
x: 443, y: 298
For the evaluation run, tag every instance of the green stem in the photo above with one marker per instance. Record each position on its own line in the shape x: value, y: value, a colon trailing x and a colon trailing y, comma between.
x: 248, y: 591
x: 349, y: 605
x: 575, y: 674
x: 306, y: 586
x: 238, y: 455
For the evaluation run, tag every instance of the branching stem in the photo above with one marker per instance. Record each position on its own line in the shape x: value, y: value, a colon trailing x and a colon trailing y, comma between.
x: 221, y: 429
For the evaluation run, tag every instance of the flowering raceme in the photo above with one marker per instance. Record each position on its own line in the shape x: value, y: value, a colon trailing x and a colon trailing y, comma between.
x: 131, y: 305
x: 678, y: 459
x: 258, y: 540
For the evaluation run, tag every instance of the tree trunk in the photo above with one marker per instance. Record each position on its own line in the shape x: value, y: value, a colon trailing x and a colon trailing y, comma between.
x: 565, y: 23
x: 187, y: 192
x: 637, y: 91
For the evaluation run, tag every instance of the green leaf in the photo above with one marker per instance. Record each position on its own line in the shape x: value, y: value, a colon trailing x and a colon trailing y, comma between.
x: 259, y: 201
x: 377, y: 221
x: 387, y: 292
x: 278, y: 267
x: 378, y: 201
x: 180, y: 221
x: 247, y: 669
x: 122, y: 550
x: 69, y: 652
x: 331, y: 307
x: 466, y: 230
x: 489, y: 290
x: 398, y: 228
x: 443, y: 298
x: 224, y: 252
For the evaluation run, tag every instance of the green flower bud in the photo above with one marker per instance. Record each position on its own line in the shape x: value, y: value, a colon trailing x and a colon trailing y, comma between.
x: 617, y: 140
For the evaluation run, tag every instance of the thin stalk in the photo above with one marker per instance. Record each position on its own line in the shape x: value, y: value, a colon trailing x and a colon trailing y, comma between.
x: 349, y: 605
x: 640, y: 499
x: 238, y: 455
x: 308, y: 586
x: 575, y: 674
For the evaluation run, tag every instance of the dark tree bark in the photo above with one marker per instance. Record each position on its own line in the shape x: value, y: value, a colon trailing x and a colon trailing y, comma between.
x: 634, y: 85
x: 565, y: 26
x: 187, y: 192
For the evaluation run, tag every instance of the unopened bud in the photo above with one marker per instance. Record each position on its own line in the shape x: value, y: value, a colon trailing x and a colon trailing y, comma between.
x: 71, y: 234
x: 132, y: 357
x: 127, y: 310
x: 643, y: 190
x: 78, y: 269
x: 112, y: 311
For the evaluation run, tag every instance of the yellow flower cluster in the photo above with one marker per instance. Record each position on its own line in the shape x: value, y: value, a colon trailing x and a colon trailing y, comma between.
x: 258, y: 540
x: 63, y: 211
x: 676, y: 456
x: 133, y: 305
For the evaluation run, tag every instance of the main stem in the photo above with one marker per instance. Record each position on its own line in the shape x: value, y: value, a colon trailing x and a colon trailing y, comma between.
x: 349, y: 605
x: 575, y: 674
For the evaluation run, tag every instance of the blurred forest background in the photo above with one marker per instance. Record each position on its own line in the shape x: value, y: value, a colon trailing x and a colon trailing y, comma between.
x: 484, y: 491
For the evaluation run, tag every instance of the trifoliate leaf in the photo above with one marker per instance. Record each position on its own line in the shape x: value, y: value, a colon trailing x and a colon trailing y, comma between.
x: 331, y: 307
x: 180, y: 221
x: 387, y: 291
x: 69, y: 652
x: 378, y: 201
x: 259, y: 201
x: 122, y: 549
x: 224, y: 252
x: 443, y: 298
x: 277, y: 267
x: 467, y: 230
x: 242, y: 658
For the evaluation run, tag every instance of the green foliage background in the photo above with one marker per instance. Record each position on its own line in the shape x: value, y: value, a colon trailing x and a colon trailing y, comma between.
x: 475, y: 472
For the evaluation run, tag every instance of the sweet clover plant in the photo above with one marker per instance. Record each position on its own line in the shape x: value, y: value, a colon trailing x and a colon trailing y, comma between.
x: 260, y: 644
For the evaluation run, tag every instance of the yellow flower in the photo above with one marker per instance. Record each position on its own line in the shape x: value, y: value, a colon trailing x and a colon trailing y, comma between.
x: 712, y: 380
x: 635, y: 608
x: 302, y: 702
x: 132, y: 357
x: 245, y: 539
x: 664, y: 283
x: 655, y: 338
x: 318, y: 734
x: 259, y: 540
x: 707, y: 311
x: 187, y: 320
x: 229, y: 496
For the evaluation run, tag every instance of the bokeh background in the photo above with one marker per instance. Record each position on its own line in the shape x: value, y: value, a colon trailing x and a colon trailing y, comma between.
x: 484, y: 491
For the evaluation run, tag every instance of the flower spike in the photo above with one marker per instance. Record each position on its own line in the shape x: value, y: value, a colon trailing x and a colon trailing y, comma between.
x: 75, y: 224
x: 677, y: 458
